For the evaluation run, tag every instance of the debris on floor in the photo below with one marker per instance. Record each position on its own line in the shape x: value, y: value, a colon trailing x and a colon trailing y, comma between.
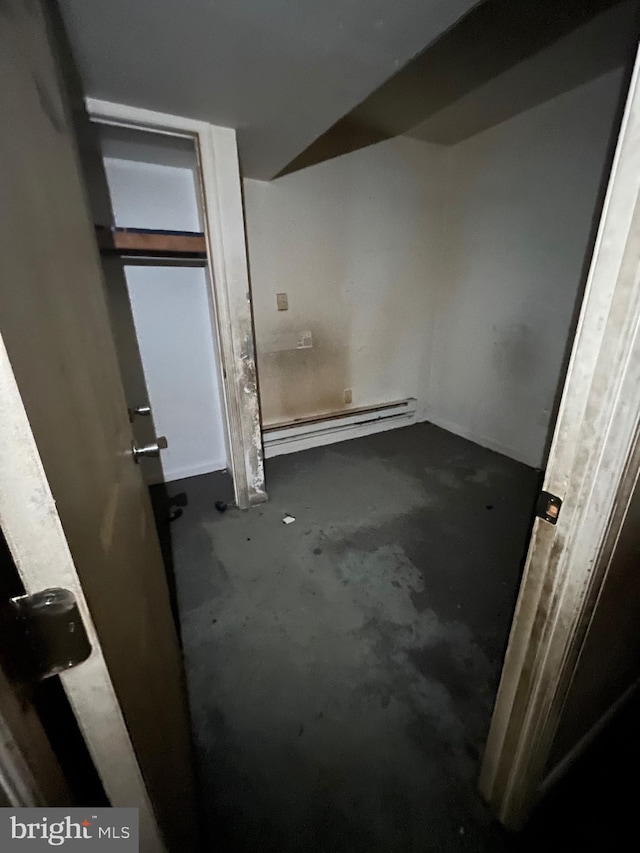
x: 176, y: 504
x: 333, y: 710
x: 221, y: 506
x: 288, y: 519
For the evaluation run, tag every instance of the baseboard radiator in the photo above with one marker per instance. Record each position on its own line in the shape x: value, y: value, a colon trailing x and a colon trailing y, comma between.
x: 336, y: 426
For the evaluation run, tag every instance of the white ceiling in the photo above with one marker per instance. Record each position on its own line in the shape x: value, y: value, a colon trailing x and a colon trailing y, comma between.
x: 280, y: 71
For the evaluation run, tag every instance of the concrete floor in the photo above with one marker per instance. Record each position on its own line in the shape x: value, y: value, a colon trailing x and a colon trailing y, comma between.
x: 342, y: 669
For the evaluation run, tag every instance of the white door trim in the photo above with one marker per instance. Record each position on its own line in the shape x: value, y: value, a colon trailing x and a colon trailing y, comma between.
x: 232, y: 318
x: 33, y: 531
x: 592, y: 467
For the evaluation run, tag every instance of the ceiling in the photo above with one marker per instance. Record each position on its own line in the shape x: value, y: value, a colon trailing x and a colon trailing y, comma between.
x: 280, y: 71
x: 606, y: 42
x: 503, y: 57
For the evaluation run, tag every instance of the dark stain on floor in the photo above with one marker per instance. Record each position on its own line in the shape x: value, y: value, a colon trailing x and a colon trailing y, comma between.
x: 342, y: 669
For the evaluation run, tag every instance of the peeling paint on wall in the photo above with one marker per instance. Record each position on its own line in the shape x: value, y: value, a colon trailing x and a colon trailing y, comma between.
x: 247, y: 379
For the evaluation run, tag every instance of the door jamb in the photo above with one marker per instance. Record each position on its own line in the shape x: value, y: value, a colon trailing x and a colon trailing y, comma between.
x: 232, y: 319
x: 30, y: 775
x: 593, y: 467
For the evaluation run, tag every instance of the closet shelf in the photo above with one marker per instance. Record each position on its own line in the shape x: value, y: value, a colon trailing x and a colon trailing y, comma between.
x: 151, y: 243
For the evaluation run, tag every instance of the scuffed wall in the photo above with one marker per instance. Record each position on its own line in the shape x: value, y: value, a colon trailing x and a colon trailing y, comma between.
x: 449, y: 274
x: 355, y: 245
x: 521, y: 198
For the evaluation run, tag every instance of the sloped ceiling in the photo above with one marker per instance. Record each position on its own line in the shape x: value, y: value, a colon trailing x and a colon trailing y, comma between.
x: 606, y: 42
x: 280, y: 71
x: 503, y: 57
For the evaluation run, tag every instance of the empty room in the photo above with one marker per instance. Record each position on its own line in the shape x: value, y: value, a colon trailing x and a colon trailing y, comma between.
x: 341, y: 258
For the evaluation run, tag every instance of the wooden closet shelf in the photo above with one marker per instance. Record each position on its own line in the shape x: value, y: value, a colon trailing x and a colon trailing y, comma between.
x: 147, y: 242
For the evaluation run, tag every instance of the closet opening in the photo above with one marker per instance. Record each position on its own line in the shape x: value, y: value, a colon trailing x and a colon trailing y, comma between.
x: 148, y: 210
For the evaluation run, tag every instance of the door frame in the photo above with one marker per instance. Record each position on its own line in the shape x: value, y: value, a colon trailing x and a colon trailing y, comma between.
x: 593, y: 467
x: 30, y: 774
x: 230, y: 291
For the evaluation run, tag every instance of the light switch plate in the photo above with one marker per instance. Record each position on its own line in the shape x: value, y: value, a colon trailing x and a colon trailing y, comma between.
x: 282, y: 301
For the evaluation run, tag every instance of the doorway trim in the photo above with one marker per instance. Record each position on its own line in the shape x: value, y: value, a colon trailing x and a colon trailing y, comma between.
x: 30, y: 775
x: 593, y: 467
x: 232, y: 317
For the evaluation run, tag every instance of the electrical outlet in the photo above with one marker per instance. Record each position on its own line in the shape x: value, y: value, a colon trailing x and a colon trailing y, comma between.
x: 348, y: 396
x: 282, y: 301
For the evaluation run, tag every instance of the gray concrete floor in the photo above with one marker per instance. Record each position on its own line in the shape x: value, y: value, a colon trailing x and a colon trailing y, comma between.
x: 342, y: 669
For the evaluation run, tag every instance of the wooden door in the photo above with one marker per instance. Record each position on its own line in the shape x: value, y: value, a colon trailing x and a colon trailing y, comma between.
x: 72, y: 502
x: 113, y: 270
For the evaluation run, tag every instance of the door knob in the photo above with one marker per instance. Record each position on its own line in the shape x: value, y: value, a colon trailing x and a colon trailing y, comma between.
x: 139, y: 410
x: 149, y: 450
x: 45, y: 634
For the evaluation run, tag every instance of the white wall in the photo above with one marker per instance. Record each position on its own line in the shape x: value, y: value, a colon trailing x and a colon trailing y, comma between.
x: 519, y: 207
x: 171, y: 308
x: 355, y: 243
x: 151, y: 195
x: 445, y: 273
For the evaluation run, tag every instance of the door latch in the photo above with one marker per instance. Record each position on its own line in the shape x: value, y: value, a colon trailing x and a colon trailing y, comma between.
x: 149, y: 450
x: 548, y: 507
x: 43, y: 635
x: 143, y: 411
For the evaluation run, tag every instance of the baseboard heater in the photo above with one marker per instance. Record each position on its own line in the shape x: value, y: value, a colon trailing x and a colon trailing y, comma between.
x: 332, y: 427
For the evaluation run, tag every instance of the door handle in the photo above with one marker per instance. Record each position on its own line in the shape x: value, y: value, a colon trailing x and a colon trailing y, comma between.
x: 44, y: 634
x: 145, y: 411
x: 149, y: 450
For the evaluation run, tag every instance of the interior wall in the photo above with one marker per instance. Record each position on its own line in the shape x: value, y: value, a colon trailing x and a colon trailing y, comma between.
x: 171, y: 312
x: 449, y: 274
x: 520, y: 203
x: 355, y: 245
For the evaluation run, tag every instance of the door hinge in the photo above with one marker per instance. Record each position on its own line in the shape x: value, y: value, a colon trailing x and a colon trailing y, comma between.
x: 42, y: 635
x: 548, y: 507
